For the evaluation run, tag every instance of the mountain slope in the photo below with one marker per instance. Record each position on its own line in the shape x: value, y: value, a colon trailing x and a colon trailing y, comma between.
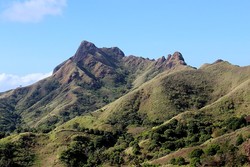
x: 85, y: 82
x: 102, y: 108
x: 179, y: 90
x: 176, y: 100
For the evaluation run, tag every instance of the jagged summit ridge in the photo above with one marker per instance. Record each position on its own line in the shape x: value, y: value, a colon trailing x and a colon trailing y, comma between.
x: 171, y: 60
x: 92, y: 57
x: 87, y: 47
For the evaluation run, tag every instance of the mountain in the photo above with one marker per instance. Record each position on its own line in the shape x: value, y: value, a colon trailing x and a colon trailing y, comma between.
x: 102, y: 108
x: 90, y: 79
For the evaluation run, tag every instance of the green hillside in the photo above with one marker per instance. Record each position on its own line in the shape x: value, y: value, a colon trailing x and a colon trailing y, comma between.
x: 102, y: 108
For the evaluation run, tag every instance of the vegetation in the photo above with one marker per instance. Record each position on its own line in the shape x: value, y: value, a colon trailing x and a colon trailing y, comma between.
x: 101, y: 108
x: 17, y: 153
x: 178, y: 161
x: 84, y: 151
x: 239, y: 140
x: 196, y: 153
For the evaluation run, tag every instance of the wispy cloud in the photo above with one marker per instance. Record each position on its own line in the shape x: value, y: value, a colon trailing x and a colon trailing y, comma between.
x: 32, y: 10
x: 9, y: 81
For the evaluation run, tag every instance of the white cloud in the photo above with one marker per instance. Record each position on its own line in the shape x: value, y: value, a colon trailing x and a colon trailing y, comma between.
x: 32, y: 10
x: 9, y: 81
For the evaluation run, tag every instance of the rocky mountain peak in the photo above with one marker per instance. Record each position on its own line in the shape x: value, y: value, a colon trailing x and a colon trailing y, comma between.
x: 84, y: 49
x: 114, y: 53
x: 87, y: 45
x: 117, y: 51
x: 178, y: 56
x: 161, y: 60
x: 93, y: 58
x: 169, y: 56
x: 171, y: 60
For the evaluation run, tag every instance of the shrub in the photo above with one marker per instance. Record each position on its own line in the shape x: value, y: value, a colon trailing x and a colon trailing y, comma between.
x: 150, y: 165
x: 17, y: 154
x: 75, y: 125
x: 194, y: 162
x: 212, y: 149
x: 239, y: 140
x: 169, y: 145
x: 136, y: 149
x: 178, y: 161
x: 196, y: 153
x: 242, y: 159
x: 235, y: 123
x: 173, y: 161
x: 79, y: 138
x: 74, y: 156
x: 2, y: 135
x: 116, y: 158
x: 153, y: 146
x: 204, y: 137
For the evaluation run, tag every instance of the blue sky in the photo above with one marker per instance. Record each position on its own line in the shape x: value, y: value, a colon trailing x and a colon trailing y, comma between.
x: 37, y: 35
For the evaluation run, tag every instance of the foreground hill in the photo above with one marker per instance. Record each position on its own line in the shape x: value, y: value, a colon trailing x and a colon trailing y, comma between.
x: 108, y: 109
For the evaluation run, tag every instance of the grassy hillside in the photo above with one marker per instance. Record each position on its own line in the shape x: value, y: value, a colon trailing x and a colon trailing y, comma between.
x: 89, y: 80
x: 179, y: 109
x: 102, y: 108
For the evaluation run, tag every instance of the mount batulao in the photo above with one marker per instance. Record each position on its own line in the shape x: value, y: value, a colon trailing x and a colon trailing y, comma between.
x: 102, y: 108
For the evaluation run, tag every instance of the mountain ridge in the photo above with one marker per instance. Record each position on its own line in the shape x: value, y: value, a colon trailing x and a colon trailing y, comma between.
x: 102, y: 108
x: 88, y: 71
